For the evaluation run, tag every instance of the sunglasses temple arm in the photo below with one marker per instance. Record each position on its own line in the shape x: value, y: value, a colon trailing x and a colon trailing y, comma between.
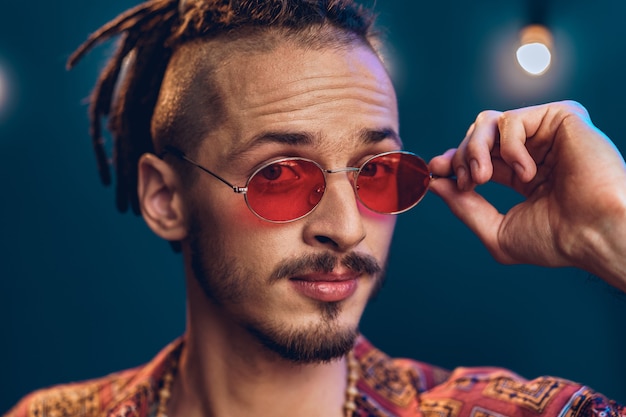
x: 181, y: 155
x: 436, y: 177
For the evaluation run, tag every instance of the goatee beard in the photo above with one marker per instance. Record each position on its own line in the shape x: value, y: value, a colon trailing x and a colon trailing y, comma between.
x: 323, y: 341
x: 320, y: 343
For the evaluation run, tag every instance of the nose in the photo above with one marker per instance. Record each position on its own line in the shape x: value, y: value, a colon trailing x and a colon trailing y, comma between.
x: 336, y: 223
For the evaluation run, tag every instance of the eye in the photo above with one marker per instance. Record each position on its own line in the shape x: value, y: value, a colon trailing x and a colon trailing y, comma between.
x: 283, y: 171
x: 281, y: 176
x: 369, y: 170
x: 377, y: 167
x: 272, y: 172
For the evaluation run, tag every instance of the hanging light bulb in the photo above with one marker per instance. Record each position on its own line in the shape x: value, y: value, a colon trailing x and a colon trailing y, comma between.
x: 535, y: 51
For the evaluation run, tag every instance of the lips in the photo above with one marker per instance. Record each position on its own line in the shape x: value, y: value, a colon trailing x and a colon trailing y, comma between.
x: 326, y: 287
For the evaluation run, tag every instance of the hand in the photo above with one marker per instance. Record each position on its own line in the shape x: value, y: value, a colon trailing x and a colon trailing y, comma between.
x: 573, y: 179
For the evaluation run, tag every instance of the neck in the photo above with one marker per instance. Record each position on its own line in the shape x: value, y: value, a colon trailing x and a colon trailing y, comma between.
x: 223, y: 371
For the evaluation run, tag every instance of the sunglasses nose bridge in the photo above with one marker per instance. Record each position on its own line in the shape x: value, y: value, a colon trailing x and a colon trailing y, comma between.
x: 340, y: 170
x: 346, y: 169
x: 339, y: 190
x: 351, y: 179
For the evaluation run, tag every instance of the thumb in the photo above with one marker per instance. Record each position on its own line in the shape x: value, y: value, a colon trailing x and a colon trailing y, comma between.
x: 477, y: 213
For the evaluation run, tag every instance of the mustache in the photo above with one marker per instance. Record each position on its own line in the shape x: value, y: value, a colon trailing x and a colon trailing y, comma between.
x: 325, y: 263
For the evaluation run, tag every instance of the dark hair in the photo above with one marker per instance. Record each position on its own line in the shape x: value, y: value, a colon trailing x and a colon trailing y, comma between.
x: 128, y: 88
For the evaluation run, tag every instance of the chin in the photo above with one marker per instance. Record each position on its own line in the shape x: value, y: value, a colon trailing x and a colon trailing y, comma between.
x: 321, y: 341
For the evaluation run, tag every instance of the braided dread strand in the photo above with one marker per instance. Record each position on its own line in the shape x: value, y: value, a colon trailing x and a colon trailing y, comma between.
x: 129, y: 105
x: 133, y: 111
x: 128, y: 88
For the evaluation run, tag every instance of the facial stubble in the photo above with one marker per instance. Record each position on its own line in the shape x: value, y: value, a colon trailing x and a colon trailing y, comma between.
x: 224, y: 283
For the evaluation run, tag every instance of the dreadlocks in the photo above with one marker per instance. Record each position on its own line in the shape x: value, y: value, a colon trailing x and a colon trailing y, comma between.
x: 127, y: 90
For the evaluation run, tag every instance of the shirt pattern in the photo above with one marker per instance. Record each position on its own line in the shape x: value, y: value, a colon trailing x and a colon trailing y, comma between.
x: 387, y: 388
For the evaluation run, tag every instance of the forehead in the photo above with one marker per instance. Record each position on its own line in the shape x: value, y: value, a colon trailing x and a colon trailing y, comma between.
x: 330, y: 97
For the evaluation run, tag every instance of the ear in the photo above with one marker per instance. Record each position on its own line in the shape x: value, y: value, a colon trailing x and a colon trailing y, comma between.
x: 160, y: 198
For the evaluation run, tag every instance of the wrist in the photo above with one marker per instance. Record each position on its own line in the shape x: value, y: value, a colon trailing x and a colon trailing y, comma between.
x: 600, y: 246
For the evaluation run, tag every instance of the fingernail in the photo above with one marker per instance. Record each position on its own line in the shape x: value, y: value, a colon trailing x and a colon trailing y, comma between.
x: 519, y: 169
x: 474, y: 167
x: 461, y: 177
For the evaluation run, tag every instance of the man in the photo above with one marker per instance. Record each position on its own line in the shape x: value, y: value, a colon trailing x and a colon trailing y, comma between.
x: 288, y: 104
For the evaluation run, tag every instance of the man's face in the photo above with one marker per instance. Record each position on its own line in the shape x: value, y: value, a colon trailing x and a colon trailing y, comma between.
x: 299, y: 288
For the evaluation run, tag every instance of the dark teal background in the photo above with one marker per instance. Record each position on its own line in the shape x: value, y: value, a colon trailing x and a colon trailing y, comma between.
x: 85, y: 291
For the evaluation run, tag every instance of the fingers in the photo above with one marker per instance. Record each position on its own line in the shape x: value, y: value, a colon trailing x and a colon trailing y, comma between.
x: 441, y: 166
x: 472, y: 162
x: 494, y: 135
x: 520, y: 139
x: 513, y: 150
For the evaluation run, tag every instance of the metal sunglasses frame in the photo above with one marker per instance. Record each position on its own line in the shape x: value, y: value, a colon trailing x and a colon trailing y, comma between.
x: 244, y: 190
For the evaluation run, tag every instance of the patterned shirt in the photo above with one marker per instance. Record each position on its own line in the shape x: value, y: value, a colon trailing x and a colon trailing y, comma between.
x: 387, y: 387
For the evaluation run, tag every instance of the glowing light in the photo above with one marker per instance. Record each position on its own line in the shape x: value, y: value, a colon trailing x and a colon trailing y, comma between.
x: 534, y: 57
x: 4, y: 90
x: 534, y: 53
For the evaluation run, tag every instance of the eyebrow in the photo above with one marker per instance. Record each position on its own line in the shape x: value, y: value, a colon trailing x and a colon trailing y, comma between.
x: 375, y: 136
x: 367, y: 136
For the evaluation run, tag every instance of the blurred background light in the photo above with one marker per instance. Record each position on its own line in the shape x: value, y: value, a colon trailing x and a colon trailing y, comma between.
x: 534, y: 53
x: 4, y: 90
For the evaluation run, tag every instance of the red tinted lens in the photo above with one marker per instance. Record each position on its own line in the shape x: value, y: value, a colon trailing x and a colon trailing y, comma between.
x: 285, y: 190
x: 393, y: 182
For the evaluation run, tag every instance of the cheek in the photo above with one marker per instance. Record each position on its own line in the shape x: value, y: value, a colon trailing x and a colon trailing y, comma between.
x: 256, y: 243
x: 222, y: 219
x: 380, y: 228
x: 221, y: 210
